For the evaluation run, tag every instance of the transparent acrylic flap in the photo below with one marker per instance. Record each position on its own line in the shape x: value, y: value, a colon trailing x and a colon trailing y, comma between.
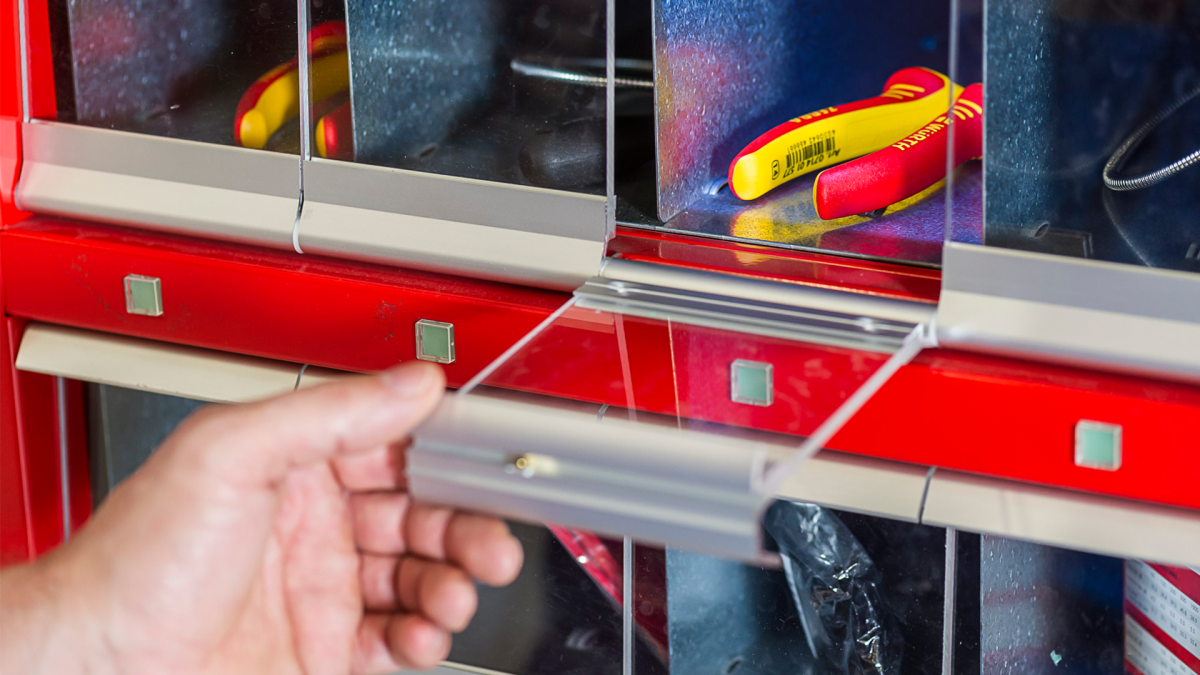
x: 651, y: 423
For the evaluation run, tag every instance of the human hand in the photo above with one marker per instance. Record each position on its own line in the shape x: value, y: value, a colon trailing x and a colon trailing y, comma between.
x: 267, y: 538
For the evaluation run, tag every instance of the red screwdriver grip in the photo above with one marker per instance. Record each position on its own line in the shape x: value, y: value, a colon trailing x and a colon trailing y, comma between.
x: 904, y: 168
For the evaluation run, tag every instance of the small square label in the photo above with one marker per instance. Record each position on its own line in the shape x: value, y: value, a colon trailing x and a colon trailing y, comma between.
x: 1098, y: 445
x: 435, y: 341
x: 751, y: 383
x: 143, y: 295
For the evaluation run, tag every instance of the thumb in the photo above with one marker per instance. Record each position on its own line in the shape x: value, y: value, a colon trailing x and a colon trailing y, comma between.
x: 259, y: 443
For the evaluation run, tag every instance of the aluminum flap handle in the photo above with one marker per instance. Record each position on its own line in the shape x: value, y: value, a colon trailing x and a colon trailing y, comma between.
x: 657, y: 485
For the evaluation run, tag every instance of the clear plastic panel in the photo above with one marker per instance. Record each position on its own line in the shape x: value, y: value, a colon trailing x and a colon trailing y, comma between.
x: 511, y: 92
x: 856, y: 595
x: 663, y: 371
x: 965, y: 168
x: 206, y: 70
x: 1093, y: 128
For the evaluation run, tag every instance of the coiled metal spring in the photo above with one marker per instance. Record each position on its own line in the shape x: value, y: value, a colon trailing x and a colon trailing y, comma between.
x: 1118, y: 159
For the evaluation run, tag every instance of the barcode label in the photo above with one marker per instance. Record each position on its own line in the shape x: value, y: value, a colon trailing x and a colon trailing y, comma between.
x: 810, y: 152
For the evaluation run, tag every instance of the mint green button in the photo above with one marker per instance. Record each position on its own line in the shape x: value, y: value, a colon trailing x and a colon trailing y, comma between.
x: 1097, y: 445
x: 143, y: 295
x: 751, y: 383
x: 435, y: 341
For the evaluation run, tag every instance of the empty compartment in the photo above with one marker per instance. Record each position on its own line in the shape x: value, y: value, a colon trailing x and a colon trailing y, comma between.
x: 729, y: 74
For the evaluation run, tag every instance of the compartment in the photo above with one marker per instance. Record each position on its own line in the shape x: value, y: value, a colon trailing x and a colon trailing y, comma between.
x: 510, y: 92
x: 468, y: 138
x: 1090, y: 242
x: 1088, y: 103
x: 175, y: 69
x: 176, y: 115
x: 727, y: 73
x: 855, y: 595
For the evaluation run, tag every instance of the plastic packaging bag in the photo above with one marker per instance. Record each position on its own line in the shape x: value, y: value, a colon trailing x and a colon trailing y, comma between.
x: 835, y: 587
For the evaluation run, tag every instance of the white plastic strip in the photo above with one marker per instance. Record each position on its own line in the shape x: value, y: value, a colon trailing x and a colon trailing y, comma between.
x: 1064, y: 518
x: 147, y: 365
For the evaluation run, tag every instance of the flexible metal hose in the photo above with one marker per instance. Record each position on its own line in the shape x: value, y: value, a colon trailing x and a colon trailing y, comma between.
x: 1118, y: 159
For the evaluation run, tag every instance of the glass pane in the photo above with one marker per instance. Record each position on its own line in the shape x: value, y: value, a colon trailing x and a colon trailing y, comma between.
x: 1091, y: 105
x: 855, y: 595
x: 200, y: 70
x: 754, y: 100
x: 484, y: 89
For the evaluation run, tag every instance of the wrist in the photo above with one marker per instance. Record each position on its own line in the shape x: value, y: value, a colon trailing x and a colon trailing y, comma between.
x: 45, y: 627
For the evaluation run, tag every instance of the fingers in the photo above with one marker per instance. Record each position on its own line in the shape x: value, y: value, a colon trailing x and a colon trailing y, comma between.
x: 481, y: 545
x: 387, y: 643
x: 390, y: 524
x: 440, y: 592
x: 377, y: 579
x: 262, y: 441
x: 374, y: 470
x: 378, y: 522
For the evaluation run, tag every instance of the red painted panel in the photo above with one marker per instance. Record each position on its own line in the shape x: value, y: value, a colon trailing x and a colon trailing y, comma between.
x: 15, y: 531
x: 967, y: 412
x: 42, y: 100
x: 10, y: 62
x: 31, y: 516
x: 39, y: 455
x: 263, y: 303
x: 10, y: 113
x: 10, y: 168
x: 1016, y: 419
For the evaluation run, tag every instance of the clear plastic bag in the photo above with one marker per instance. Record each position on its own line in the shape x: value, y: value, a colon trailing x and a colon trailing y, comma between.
x: 836, y: 589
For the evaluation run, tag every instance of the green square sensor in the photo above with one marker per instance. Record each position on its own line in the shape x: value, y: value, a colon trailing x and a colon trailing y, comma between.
x: 435, y: 341
x: 751, y: 383
x: 1097, y: 445
x: 143, y: 295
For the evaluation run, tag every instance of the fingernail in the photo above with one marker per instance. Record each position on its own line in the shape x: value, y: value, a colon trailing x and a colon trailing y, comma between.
x: 409, y: 380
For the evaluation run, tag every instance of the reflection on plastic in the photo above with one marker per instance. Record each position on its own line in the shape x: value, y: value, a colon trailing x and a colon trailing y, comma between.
x: 835, y: 586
